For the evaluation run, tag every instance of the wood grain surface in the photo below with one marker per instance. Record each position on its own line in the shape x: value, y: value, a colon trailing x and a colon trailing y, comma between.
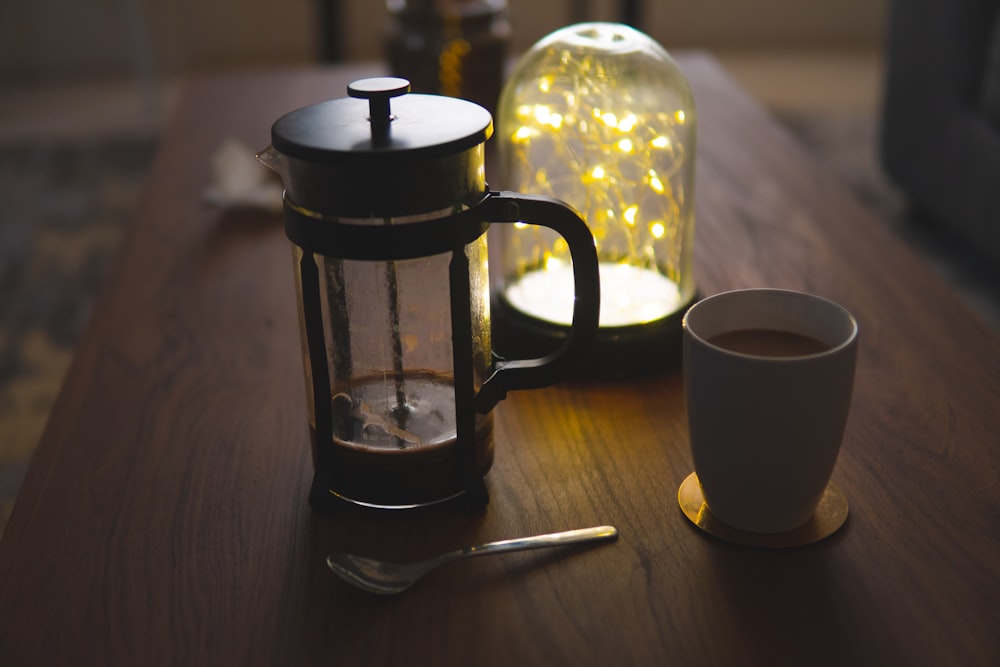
x: 164, y: 518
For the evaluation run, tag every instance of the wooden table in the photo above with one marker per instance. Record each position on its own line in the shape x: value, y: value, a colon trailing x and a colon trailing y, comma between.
x: 164, y: 518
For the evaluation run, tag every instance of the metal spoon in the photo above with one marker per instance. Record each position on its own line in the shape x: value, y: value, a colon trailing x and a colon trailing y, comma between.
x: 384, y: 578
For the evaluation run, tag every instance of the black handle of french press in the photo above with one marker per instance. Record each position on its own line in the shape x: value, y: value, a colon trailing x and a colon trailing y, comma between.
x: 378, y: 91
x: 509, y: 207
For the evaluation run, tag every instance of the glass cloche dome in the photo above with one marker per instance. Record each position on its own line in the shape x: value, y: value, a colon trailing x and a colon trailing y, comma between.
x: 601, y: 116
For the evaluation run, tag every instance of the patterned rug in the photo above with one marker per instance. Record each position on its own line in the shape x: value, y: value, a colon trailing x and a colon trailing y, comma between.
x: 63, y: 207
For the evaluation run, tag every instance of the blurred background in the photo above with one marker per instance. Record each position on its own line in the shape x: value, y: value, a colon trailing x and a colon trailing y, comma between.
x: 64, y: 39
x: 86, y: 86
x: 147, y: 44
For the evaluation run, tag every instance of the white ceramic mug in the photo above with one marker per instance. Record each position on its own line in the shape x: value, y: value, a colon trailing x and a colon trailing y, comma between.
x: 767, y: 410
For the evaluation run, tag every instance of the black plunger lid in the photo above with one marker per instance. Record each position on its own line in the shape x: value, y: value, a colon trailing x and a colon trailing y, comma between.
x: 381, y: 121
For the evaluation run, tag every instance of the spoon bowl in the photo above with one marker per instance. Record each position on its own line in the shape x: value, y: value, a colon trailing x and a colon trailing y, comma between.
x: 384, y: 578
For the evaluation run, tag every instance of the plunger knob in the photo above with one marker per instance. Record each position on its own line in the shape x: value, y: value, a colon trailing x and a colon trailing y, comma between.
x: 378, y: 91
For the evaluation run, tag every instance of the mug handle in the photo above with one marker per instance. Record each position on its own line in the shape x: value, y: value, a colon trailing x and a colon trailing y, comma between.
x: 510, y: 207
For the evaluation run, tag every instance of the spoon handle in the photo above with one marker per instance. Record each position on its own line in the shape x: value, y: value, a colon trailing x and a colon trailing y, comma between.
x: 539, y: 541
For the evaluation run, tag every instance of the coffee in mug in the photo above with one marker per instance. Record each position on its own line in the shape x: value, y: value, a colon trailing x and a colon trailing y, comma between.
x: 768, y: 342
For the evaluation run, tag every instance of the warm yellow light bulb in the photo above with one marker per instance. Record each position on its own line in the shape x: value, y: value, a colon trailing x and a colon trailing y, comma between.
x: 553, y: 263
x: 522, y: 134
x: 628, y: 122
x: 630, y: 213
x: 597, y: 172
x: 655, y: 183
x: 661, y: 141
x: 679, y: 116
x: 543, y: 115
x: 657, y: 230
x: 625, y: 146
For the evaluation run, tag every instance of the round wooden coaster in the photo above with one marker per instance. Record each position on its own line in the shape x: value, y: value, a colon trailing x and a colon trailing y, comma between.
x: 829, y: 517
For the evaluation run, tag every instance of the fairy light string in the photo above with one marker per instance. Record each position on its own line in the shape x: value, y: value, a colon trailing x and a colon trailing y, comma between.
x: 581, y: 133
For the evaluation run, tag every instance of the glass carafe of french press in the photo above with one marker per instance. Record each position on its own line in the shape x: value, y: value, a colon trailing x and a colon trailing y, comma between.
x: 387, y: 207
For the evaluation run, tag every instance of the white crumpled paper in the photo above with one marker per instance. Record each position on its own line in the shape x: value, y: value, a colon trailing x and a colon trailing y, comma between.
x: 240, y: 181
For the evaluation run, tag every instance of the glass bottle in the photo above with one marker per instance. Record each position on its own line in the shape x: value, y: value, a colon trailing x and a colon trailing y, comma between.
x: 450, y: 47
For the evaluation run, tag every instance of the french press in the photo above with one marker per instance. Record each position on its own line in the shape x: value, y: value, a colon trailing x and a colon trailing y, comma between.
x: 386, y: 206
